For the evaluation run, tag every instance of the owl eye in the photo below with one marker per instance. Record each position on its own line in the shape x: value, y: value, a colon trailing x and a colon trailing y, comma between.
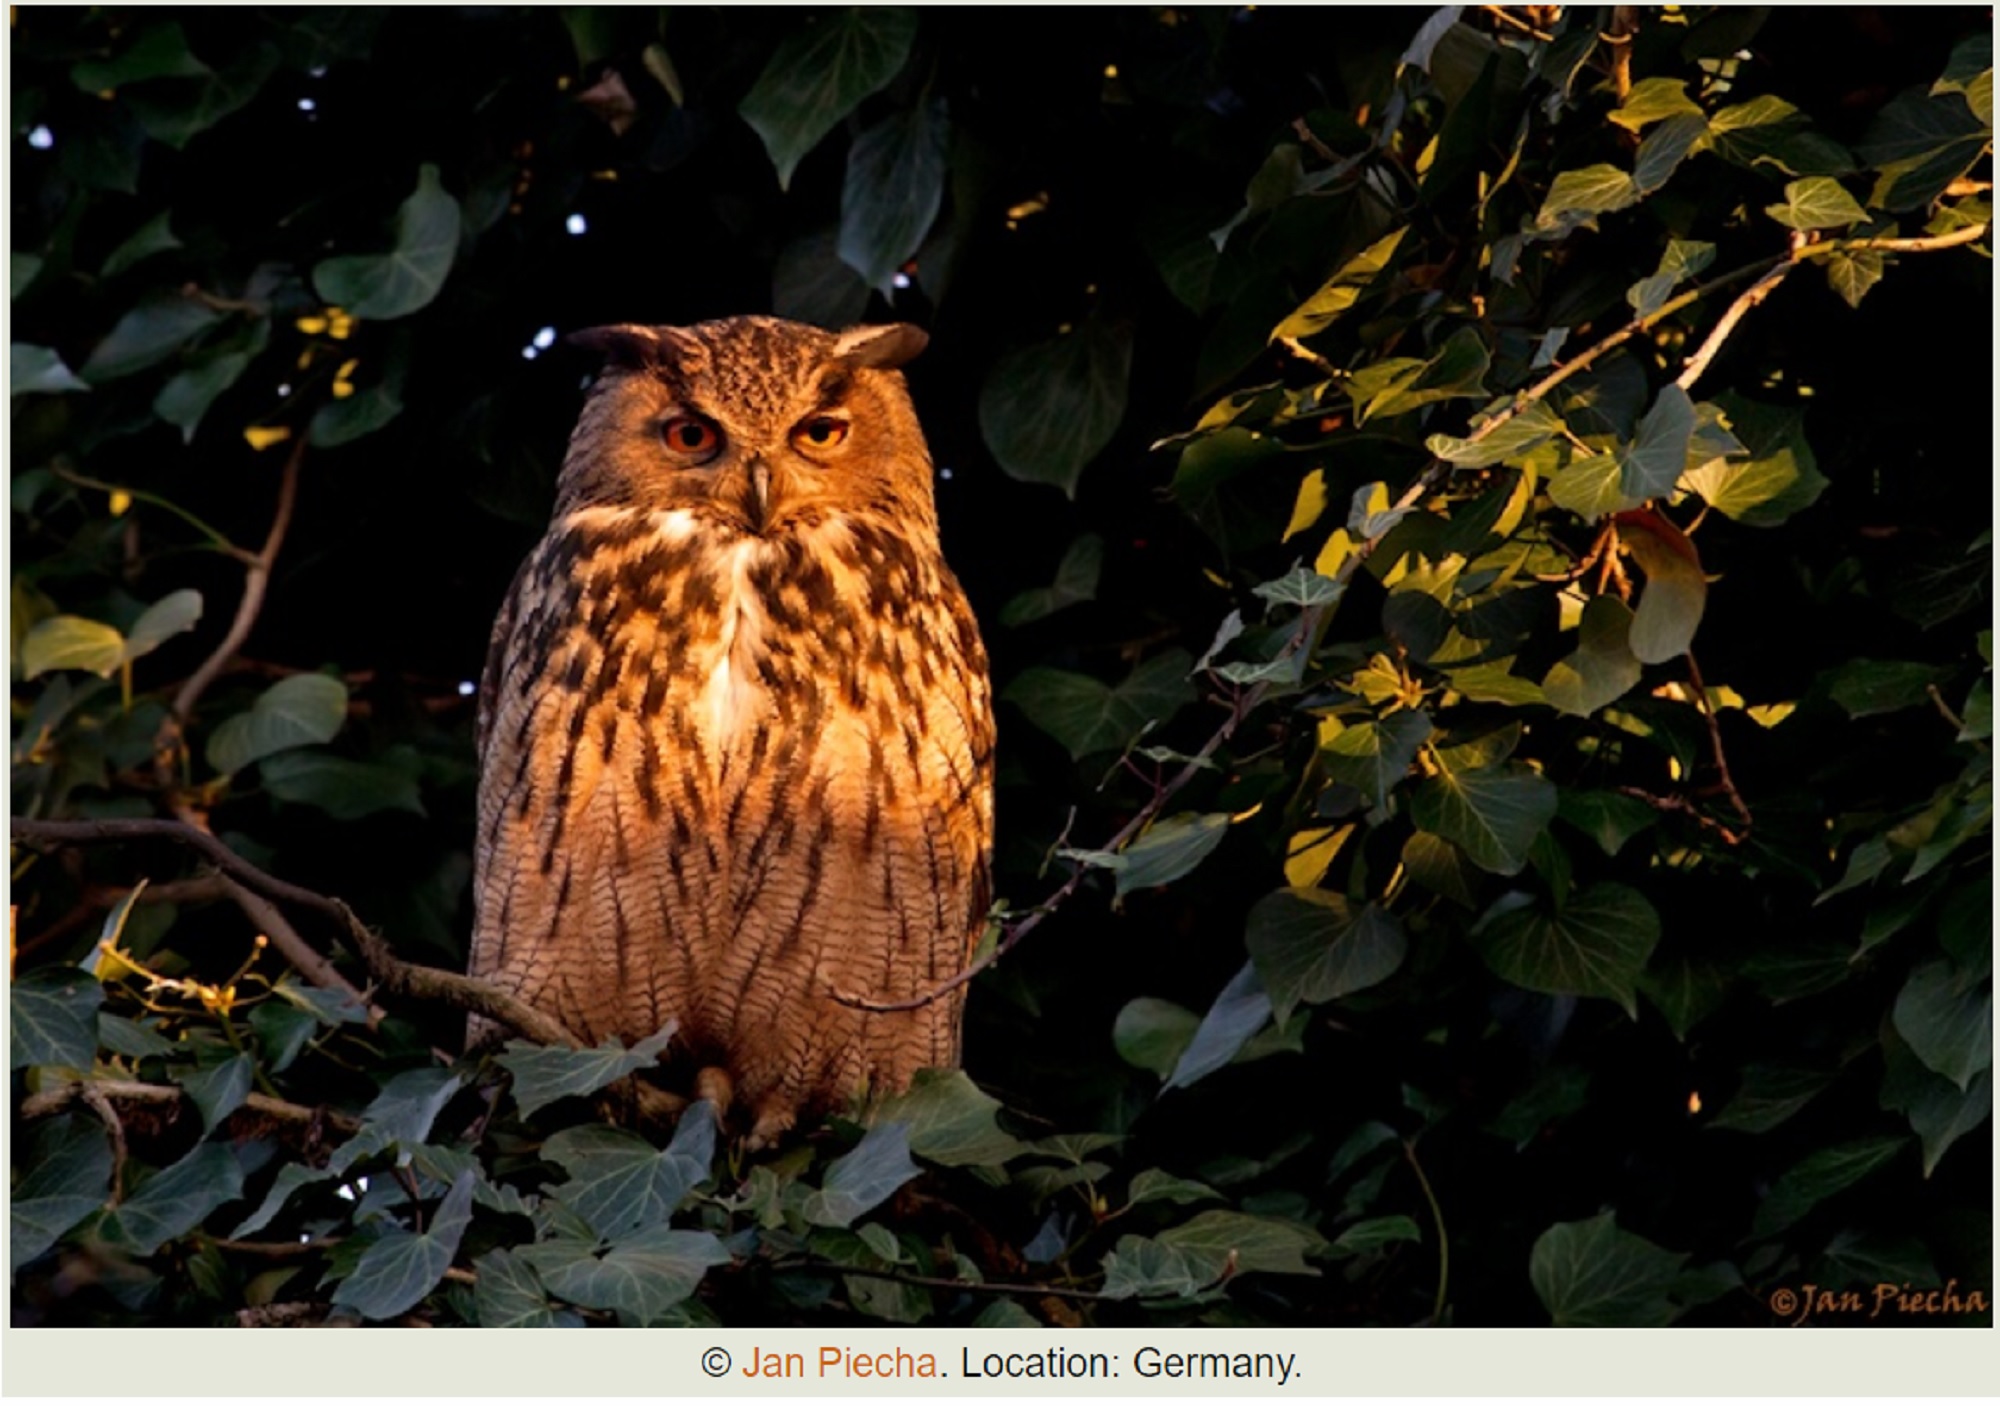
x: 692, y: 437
x: 820, y: 432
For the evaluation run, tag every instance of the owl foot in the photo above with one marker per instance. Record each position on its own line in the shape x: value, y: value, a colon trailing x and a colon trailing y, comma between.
x: 775, y: 1118
x: 713, y: 1084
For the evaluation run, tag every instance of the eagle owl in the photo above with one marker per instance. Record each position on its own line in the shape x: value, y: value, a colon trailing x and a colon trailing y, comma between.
x: 735, y: 729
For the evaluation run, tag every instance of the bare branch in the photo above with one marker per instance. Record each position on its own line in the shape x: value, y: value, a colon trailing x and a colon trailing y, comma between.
x: 94, y: 1092
x: 1746, y: 300
x: 317, y: 968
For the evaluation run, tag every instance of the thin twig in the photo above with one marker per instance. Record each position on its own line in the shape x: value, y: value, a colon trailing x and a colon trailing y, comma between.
x: 1715, y: 742
x: 392, y: 973
x: 1437, y: 1220
x: 94, y: 1096
x: 55, y: 1100
x: 1746, y: 300
x: 317, y: 968
x: 1681, y: 805
x: 1515, y: 22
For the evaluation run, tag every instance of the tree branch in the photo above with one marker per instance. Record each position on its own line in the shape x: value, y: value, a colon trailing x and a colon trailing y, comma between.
x: 316, y: 968
x: 392, y: 973
x: 96, y: 1092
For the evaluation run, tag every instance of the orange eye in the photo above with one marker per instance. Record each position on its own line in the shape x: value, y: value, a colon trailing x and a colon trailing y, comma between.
x: 693, y: 437
x: 821, y: 432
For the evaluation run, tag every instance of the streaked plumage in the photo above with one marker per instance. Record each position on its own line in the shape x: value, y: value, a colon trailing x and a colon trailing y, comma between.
x: 736, y: 730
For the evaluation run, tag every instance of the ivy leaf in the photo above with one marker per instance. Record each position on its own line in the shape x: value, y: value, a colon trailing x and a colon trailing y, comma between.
x: 1866, y: 688
x: 1664, y: 148
x: 1140, y: 1268
x: 1075, y: 583
x: 640, y: 1277
x: 1240, y: 1011
x: 1340, y: 292
x: 184, y: 400
x: 1945, y: 1013
x: 1769, y: 1095
x: 1312, y: 946
x: 1401, y: 384
x: 1683, y: 259
x: 1518, y: 435
x: 293, y: 712
x: 1817, y: 202
x: 1152, y: 1034
x: 1852, y: 272
x: 1654, y: 100
x: 33, y: 370
x: 1374, y: 756
x: 1168, y: 850
x: 894, y: 189
x: 863, y: 1179
x: 1047, y: 410
x: 397, y: 1271
x: 1919, y: 144
x: 509, y: 1294
x: 66, y: 1175
x: 411, y: 274
x: 1591, y: 487
x: 1591, y: 1274
x: 52, y: 1018
x: 1493, y: 815
x: 1652, y: 463
x: 619, y: 1183
x: 819, y: 74
x: 174, y: 1201
x: 175, y: 115
x: 290, y: 1178
x: 1819, y: 1175
x: 402, y: 1113
x: 151, y: 332
x: 156, y: 51
x: 155, y: 236
x: 1215, y: 1240
x: 949, y: 1120
x: 1156, y: 1185
x: 1605, y: 816
x: 344, y: 789
x: 172, y: 614
x: 1372, y: 1234
x: 1779, y: 478
x: 1603, y: 668
x: 543, y: 1074
x: 1595, y: 945
x: 1670, y: 608
x: 1088, y: 716
x: 220, y: 1089
x: 1594, y: 190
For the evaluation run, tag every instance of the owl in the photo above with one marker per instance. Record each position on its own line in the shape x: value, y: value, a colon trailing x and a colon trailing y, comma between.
x: 736, y: 728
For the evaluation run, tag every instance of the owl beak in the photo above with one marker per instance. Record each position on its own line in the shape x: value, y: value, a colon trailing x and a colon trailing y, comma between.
x: 754, y: 495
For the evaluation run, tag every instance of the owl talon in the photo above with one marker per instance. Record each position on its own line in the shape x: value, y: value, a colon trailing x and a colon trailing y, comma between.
x: 773, y: 1122
x: 713, y: 1084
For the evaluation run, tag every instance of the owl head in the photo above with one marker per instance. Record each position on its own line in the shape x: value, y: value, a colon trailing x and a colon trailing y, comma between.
x: 751, y: 423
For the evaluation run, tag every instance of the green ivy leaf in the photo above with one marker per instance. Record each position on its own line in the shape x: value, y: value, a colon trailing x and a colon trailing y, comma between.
x: 1817, y: 202
x: 543, y: 1074
x: 1534, y: 425
x: 173, y: 614
x: 1156, y: 1185
x: 1654, y: 100
x: 1493, y: 815
x: 1769, y: 1095
x: 290, y: 1178
x: 1595, y: 945
x: 155, y: 236
x: 1401, y: 384
x: 1605, y: 816
x: 1372, y: 1234
x: 1867, y: 688
x: 1340, y: 292
x: 33, y: 370
x: 1140, y: 1268
x: 220, y: 1089
x: 341, y: 422
x: 1075, y: 583
x: 1087, y: 716
x: 640, y: 1277
x: 293, y: 712
x: 1919, y: 144
x: 1652, y: 463
x: 71, y: 642
x: 52, y: 1018
x: 1215, y: 1240
x: 1602, y: 669
x: 1591, y: 1274
x: 1240, y: 1011
x: 1047, y: 410
x: 1152, y: 1034
x: 344, y: 789
x: 397, y: 1271
x: 1374, y: 756
x: 1945, y: 1013
x: 176, y: 113
x: 1664, y: 148
x: 863, y: 1179
x: 411, y: 274
x: 894, y: 189
x: 949, y: 1120
x: 66, y: 1174
x: 155, y: 51
x: 1819, y: 1175
x: 1591, y: 487
x: 1312, y: 946
x: 1169, y: 849
x: 151, y: 332
x: 509, y: 1294
x: 1683, y: 259
x: 185, y: 399
x: 819, y: 74
x: 1594, y: 190
x: 1779, y: 478
x: 174, y: 1201
x: 618, y: 1182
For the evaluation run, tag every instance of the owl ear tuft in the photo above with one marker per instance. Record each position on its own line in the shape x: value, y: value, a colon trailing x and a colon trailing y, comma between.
x: 631, y: 346
x: 881, y: 348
